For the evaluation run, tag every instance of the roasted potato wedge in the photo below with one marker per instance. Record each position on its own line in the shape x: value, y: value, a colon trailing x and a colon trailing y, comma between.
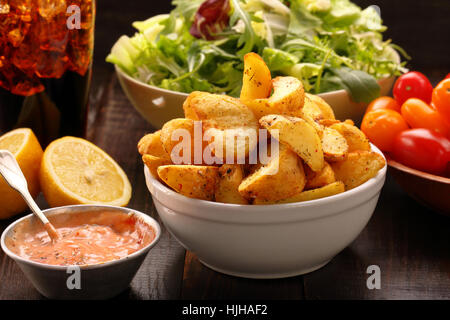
x: 151, y: 144
x: 311, y: 109
x: 325, y: 191
x: 326, y: 112
x: 230, y: 177
x: 310, y: 119
x: 170, y: 131
x: 349, y: 121
x: 301, y: 137
x: 356, y: 139
x: 282, y: 177
x: 357, y: 168
x: 317, y: 113
x: 189, y: 104
x: 257, y: 81
x: 288, y: 93
x: 334, y: 145
x: 288, y: 96
x: 259, y: 107
x: 287, y: 99
x: 153, y: 163
x: 230, y: 125
x: 197, y: 182
x: 221, y: 110
x: 328, y: 122
x: 319, y: 179
x: 172, y: 135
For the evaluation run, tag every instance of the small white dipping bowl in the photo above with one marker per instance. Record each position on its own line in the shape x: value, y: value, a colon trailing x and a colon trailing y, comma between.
x: 158, y: 105
x: 267, y: 241
x: 98, y: 281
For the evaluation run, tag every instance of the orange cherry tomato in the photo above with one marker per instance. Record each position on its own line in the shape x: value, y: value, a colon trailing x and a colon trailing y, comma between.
x: 383, y: 103
x: 382, y: 126
x: 441, y: 99
x: 418, y: 114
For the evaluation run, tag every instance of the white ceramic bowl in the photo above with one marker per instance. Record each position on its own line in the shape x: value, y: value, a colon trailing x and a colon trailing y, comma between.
x: 271, y: 241
x: 98, y: 281
x: 158, y: 105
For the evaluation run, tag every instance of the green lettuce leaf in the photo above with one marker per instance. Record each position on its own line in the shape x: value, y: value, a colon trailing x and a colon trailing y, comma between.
x: 302, y: 22
x: 342, y: 13
x: 370, y: 20
x: 277, y: 59
x: 361, y: 86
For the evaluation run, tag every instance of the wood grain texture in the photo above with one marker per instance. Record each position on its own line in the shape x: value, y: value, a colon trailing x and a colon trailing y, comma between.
x: 200, y: 282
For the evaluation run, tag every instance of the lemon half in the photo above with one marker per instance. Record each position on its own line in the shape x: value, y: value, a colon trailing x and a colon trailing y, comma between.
x: 25, y: 147
x: 75, y: 171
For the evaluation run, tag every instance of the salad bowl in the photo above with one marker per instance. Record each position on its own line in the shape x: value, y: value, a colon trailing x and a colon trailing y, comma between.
x: 158, y: 105
x: 338, y: 51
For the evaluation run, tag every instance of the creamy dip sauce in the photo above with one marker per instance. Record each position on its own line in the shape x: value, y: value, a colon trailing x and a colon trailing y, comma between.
x: 85, y: 238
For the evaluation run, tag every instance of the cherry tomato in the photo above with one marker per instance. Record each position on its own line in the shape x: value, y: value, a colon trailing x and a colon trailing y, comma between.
x: 383, y: 103
x: 412, y: 85
x: 441, y: 99
x: 422, y: 149
x: 447, y: 76
x: 382, y: 126
x: 447, y: 171
x: 418, y: 114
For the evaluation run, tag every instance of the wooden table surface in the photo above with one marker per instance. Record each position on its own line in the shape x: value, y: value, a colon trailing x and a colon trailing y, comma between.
x: 410, y: 243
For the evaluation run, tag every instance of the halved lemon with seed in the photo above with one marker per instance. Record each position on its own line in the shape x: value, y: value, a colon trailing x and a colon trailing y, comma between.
x: 75, y: 171
x: 25, y: 147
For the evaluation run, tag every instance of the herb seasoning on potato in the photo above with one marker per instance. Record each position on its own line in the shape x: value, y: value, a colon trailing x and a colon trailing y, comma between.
x: 315, y: 155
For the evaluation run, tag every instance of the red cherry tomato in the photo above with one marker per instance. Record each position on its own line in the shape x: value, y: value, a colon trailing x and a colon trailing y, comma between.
x: 422, y: 149
x: 412, y: 85
x: 447, y: 76
x: 383, y: 103
x: 418, y: 114
x: 441, y: 99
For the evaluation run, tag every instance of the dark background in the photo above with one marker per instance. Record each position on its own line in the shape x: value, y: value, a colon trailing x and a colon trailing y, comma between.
x: 421, y: 27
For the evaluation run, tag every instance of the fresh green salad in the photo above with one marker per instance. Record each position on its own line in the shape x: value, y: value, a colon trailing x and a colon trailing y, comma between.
x: 327, y: 44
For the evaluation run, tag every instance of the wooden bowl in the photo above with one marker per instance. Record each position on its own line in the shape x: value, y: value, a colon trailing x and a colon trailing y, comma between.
x: 431, y: 190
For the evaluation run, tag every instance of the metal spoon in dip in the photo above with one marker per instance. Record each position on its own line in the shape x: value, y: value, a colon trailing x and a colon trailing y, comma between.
x: 10, y: 170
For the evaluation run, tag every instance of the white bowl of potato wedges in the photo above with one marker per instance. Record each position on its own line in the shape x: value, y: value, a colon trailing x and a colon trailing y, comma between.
x: 262, y: 187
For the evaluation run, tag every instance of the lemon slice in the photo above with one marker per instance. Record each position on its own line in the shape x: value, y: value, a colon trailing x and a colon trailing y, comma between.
x: 75, y: 171
x: 25, y: 147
